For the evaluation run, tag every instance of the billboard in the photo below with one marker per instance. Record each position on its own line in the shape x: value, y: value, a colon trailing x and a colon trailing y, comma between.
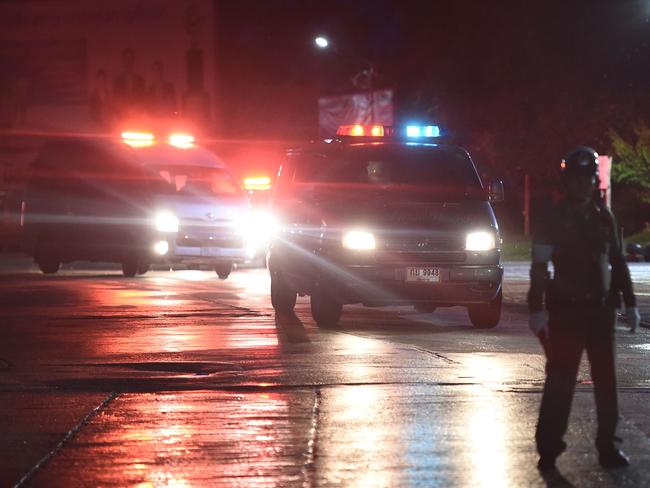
x: 359, y: 108
x: 83, y: 66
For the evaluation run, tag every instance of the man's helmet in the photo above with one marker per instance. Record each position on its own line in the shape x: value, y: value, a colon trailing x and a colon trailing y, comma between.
x: 581, y: 160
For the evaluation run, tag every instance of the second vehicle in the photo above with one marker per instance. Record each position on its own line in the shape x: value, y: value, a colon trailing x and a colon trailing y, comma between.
x: 385, y: 219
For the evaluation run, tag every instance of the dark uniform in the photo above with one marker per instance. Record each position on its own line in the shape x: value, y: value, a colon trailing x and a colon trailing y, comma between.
x: 581, y: 300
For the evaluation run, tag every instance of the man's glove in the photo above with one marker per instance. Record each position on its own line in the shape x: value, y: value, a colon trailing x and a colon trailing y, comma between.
x: 538, y: 324
x: 633, y: 318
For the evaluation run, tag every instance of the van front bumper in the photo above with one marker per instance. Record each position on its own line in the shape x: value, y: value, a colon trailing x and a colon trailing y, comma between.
x: 207, y: 245
x: 206, y: 254
x: 373, y: 285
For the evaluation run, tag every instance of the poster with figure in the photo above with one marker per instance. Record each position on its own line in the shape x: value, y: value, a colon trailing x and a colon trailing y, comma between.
x: 357, y: 108
x: 86, y: 66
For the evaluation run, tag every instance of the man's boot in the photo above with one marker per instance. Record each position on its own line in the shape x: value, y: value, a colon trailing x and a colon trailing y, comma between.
x: 609, y: 456
x: 547, y: 457
x: 613, y: 458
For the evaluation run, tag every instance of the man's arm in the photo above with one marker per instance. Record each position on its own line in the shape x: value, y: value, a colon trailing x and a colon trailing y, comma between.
x: 542, y: 252
x: 621, y: 279
x: 539, y: 276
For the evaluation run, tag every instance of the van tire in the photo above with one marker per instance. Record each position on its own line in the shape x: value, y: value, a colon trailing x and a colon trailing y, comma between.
x: 283, y: 298
x: 223, y: 270
x: 486, y: 316
x: 47, y: 260
x: 325, y: 308
x: 130, y: 266
x: 143, y: 268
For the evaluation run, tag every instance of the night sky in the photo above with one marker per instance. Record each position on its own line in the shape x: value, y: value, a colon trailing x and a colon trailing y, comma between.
x: 518, y: 82
x: 449, y: 54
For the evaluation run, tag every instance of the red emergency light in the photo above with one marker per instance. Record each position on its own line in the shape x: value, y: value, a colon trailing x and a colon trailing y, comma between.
x: 146, y: 139
x: 137, y: 139
x: 181, y: 140
x: 358, y: 130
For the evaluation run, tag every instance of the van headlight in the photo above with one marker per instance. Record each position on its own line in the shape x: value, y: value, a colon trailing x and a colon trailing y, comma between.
x: 257, y: 228
x: 480, y: 241
x: 359, y: 240
x: 166, y: 222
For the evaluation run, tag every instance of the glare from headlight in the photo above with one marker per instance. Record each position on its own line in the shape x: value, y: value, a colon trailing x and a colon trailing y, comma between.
x: 166, y: 222
x: 161, y: 248
x: 480, y: 241
x: 257, y: 228
x: 359, y: 240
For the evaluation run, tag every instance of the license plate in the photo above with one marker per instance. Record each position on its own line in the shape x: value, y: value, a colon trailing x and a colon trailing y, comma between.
x: 209, y: 251
x: 423, y: 275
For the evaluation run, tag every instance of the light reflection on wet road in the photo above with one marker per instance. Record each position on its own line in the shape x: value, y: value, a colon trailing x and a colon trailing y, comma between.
x: 212, y: 389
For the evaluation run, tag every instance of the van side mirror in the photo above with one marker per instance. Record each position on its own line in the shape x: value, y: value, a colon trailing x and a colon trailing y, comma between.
x: 495, y: 191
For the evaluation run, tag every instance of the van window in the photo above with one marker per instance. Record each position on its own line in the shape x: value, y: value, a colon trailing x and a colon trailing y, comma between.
x: 194, y: 180
x: 439, y: 172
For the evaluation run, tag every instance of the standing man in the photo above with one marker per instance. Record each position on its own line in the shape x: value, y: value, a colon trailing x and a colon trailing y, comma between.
x: 581, y: 237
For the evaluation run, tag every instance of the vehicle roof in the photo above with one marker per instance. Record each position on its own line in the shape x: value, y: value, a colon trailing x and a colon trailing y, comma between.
x: 85, y: 142
x: 155, y: 155
x: 166, y: 154
x: 366, y: 143
x: 60, y: 152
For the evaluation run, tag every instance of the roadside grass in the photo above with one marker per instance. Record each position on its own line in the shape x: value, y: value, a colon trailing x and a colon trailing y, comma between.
x: 515, y: 248
x: 639, y: 238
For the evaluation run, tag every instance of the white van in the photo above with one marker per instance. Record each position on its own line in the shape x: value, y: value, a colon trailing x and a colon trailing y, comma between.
x: 205, y: 210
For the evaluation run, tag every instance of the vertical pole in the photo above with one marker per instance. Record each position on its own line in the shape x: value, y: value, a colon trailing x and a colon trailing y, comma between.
x: 526, y: 205
x: 371, y: 83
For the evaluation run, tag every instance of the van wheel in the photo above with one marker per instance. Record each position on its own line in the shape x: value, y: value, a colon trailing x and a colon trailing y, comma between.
x: 325, y: 308
x: 143, y: 268
x: 130, y: 266
x: 47, y: 260
x: 283, y: 298
x: 223, y: 270
x: 486, y: 316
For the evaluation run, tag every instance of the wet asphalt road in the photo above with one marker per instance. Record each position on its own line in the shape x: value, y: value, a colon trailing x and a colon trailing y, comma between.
x: 179, y: 379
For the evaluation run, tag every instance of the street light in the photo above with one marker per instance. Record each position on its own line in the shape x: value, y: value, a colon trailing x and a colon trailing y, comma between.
x: 321, y: 42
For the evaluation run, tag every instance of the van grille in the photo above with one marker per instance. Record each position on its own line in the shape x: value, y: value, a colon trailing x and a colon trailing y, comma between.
x: 421, y: 257
x: 208, y: 237
x: 421, y: 244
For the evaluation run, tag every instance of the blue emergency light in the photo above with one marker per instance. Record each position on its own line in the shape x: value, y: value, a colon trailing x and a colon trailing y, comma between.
x: 415, y: 131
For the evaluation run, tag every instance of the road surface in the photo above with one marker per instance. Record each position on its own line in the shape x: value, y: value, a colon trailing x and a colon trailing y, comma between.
x: 180, y: 379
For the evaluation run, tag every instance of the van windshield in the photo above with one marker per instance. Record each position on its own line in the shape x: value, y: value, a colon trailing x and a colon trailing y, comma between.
x: 193, y: 180
x: 424, y: 170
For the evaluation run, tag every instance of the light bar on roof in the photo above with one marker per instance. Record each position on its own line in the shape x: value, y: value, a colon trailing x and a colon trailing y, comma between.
x: 181, y: 140
x: 358, y: 130
x: 137, y: 139
x: 257, y: 183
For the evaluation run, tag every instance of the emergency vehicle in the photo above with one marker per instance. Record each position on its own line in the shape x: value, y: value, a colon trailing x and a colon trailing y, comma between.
x: 204, y: 209
x: 385, y: 216
x: 136, y: 200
